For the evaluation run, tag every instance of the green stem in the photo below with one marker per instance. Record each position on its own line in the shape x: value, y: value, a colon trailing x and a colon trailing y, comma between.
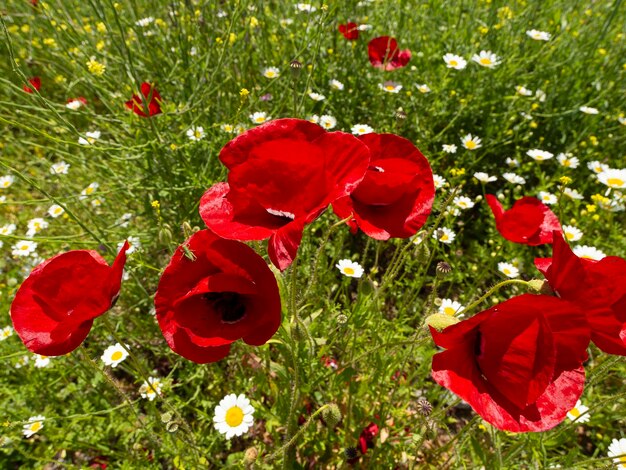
x: 495, y: 288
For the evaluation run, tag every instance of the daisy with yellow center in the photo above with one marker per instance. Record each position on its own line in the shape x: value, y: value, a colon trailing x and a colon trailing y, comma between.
x: 454, y: 61
x: 151, y: 388
x: 470, y: 142
x: 34, y: 425
x: 271, y: 72
x: 617, y: 450
x: 508, y: 270
x: 349, y: 268
x: 113, y: 355
x: 451, y: 307
x: 572, y: 233
x: 259, y: 117
x: 579, y: 413
x: 6, y: 181
x: 5, y: 332
x: 233, y: 415
x: 613, y: 178
x: 486, y: 59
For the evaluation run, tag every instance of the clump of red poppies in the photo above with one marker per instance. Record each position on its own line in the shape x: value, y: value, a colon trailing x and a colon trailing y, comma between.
x: 150, y: 97
x: 384, y: 53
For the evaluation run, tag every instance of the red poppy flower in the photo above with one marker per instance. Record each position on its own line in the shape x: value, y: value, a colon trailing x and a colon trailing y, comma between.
x: 519, y: 363
x: 384, y: 53
x: 282, y: 175
x: 349, y: 30
x: 55, y: 306
x: 35, y: 82
x: 598, y: 287
x: 396, y: 195
x: 213, y: 292
x: 366, y: 439
x: 529, y: 221
x: 151, y: 96
x: 77, y: 102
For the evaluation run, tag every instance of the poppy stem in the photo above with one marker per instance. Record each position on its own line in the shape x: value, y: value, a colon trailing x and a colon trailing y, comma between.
x: 495, y: 288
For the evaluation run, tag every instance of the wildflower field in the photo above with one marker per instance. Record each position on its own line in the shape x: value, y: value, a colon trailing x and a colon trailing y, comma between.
x: 353, y: 234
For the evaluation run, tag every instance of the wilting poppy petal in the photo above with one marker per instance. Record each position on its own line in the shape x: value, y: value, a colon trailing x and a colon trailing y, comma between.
x: 55, y: 306
x: 213, y: 292
x: 519, y: 363
x: 529, y: 221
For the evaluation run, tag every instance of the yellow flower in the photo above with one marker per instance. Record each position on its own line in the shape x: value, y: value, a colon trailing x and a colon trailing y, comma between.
x: 602, y: 51
x: 565, y: 180
x: 25, y: 28
x: 590, y: 208
x: 254, y: 22
x: 244, y: 92
x: 101, y: 27
x: 60, y: 79
x: 100, y: 45
x: 483, y: 30
x: 232, y: 38
x: 96, y: 68
x: 50, y: 42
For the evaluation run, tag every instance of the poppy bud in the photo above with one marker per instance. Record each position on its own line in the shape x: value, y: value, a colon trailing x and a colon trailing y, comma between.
x: 331, y: 415
x: 424, y: 407
x: 400, y: 115
x: 172, y: 426
x: 165, y: 235
x: 187, y: 230
x: 351, y: 453
x: 538, y: 286
x: 443, y: 269
x: 166, y: 417
x: 250, y: 456
x: 422, y: 253
x: 440, y: 321
x: 296, y: 67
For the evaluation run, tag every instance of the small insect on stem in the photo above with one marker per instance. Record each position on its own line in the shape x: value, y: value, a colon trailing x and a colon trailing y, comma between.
x: 188, y: 253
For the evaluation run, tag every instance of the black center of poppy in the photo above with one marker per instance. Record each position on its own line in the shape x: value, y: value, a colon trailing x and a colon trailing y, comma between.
x: 230, y: 306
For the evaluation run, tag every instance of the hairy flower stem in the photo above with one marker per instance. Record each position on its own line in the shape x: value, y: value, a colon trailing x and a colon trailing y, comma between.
x: 493, y: 290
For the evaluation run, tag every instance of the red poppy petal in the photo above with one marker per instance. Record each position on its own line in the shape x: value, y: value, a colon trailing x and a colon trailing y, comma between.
x: 181, y: 344
x: 283, y: 245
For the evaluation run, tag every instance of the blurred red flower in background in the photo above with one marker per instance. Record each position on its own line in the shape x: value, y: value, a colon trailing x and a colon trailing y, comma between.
x: 55, y: 306
x: 152, y: 98
x: 349, y: 30
x: 384, y: 53
x: 35, y: 82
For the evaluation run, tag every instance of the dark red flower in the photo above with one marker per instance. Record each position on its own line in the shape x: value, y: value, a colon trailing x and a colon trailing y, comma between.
x: 384, y: 53
x: 366, y: 439
x: 597, y: 287
x: 151, y: 97
x: 212, y: 293
x: 349, y: 30
x: 519, y: 363
x: 396, y: 195
x: 35, y: 82
x: 282, y: 175
x: 55, y: 306
x: 529, y: 221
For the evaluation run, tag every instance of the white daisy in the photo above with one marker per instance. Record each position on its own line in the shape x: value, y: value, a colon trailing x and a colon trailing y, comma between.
x: 444, y: 235
x: 572, y: 233
x: 34, y: 425
x: 454, y: 61
x: 314, y: 118
x: 305, y: 7
x: 55, y: 210
x: 513, y: 178
x: 113, y: 355
x: 547, y: 198
x: 6, y: 181
x: 508, y: 270
x: 512, y: 162
x: 233, y: 415
x: 7, y: 229
x: 327, y: 121
x: 144, y: 22
x: 451, y: 307
x: 540, y: 95
x: 349, y: 268
x: 617, y: 450
x: 195, y: 133
x: 613, y: 178
x: 22, y: 361
x: 151, y: 388
x: 36, y: 225
x: 364, y: 27
x: 89, y: 190
x: 271, y: 72
x: 573, y: 194
x: 41, y: 361
x: 336, y: 85
x: 316, y: 96
x: 622, y: 120
x: 24, y: 248
x: 449, y: 148
x: 589, y: 252
x: 470, y: 142
x: 134, y: 242
x: 597, y: 167
x: 439, y: 181
x: 588, y: 110
x: 92, y: 136
x: 423, y: 88
x: 361, y: 129
x: 567, y: 160
x: 74, y: 104
x: 523, y: 91
x: 463, y: 202
x: 6, y: 332
x: 579, y: 413
x: 228, y: 128
x: 59, y: 168
x: 390, y: 87
x: 259, y: 117
x: 539, y: 155
x: 486, y: 59
x: 538, y: 35
x: 484, y: 177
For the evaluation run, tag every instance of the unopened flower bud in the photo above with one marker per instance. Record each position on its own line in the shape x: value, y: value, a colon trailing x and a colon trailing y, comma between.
x: 187, y: 230
x: 331, y: 415
x: 250, y: 456
x: 400, y: 115
x: 350, y: 453
x: 440, y: 321
x: 422, y: 253
x: 296, y: 68
x: 424, y: 407
x: 540, y: 286
x: 443, y: 269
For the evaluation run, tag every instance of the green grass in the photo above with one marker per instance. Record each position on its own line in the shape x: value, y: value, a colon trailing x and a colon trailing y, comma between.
x: 373, y: 327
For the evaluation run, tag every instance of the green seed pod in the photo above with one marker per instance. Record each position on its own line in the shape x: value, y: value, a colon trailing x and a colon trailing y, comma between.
x: 331, y: 415
x: 539, y: 286
x: 440, y: 321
